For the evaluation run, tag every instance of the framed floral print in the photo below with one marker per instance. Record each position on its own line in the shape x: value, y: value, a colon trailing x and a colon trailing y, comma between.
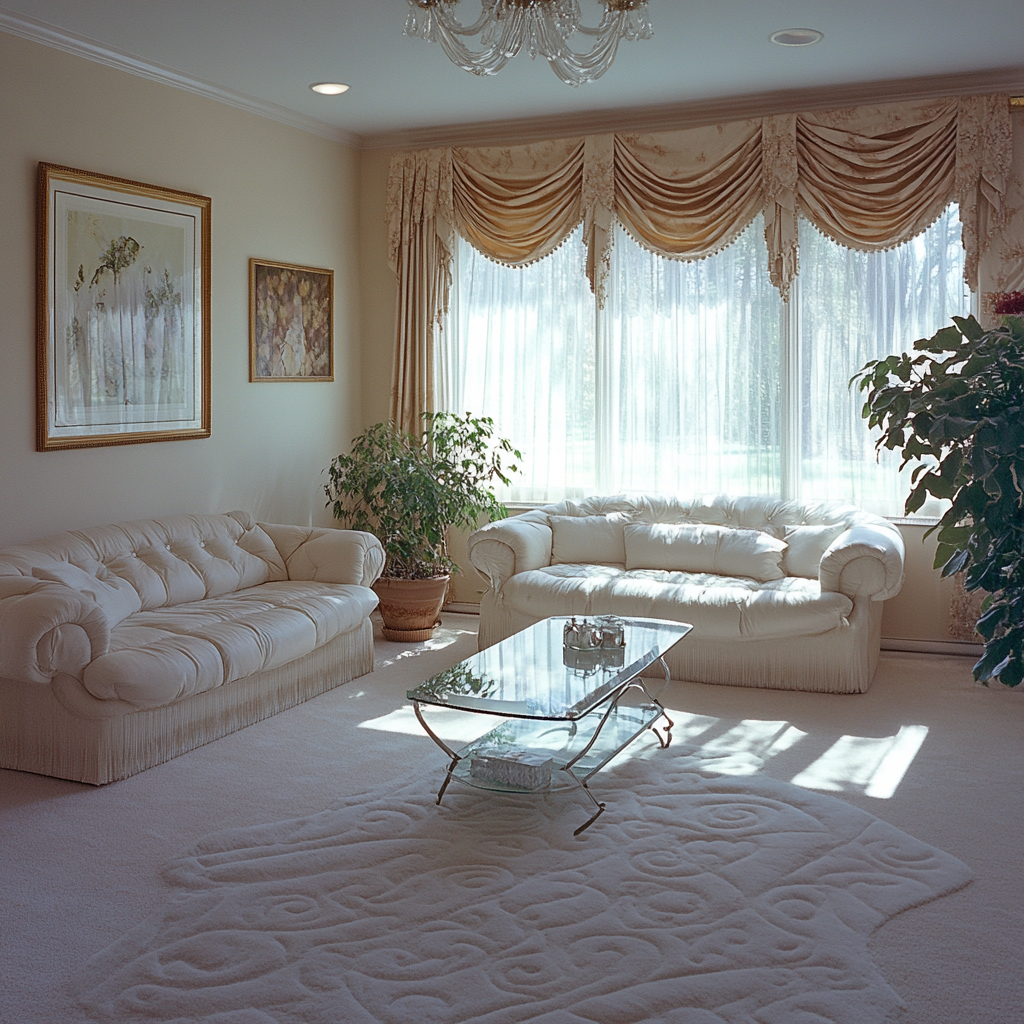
x: 291, y: 322
x: 123, y: 311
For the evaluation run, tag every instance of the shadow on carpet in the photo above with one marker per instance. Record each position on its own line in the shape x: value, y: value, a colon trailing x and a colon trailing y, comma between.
x: 697, y: 898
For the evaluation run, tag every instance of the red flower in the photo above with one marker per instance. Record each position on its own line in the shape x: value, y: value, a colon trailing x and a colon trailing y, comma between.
x: 1011, y: 303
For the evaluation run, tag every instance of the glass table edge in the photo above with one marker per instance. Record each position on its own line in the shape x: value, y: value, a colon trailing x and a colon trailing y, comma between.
x: 583, y: 708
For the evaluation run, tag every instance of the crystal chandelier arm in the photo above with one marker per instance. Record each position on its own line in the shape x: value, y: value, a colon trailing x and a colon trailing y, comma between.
x: 438, y: 10
x: 543, y: 26
x: 575, y: 68
x: 502, y: 33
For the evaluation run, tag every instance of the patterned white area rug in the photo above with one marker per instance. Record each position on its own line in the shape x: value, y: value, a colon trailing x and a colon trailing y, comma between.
x: 697, y: 898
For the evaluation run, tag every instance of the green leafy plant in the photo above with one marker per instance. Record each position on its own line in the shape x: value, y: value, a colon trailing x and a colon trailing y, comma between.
x: 956, y: 407
x: 409, y: 491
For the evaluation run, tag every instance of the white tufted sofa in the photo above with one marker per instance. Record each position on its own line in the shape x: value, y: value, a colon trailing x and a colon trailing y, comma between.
x: 810, y: 622
x: 126, y: 645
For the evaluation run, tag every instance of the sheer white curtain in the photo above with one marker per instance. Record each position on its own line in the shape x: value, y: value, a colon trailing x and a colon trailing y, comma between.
x: 519, y: 347
x: 853, y: 307
x: 690, y: 372
x: 693, y: 379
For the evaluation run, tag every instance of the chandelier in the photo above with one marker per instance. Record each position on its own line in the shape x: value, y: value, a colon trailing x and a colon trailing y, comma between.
x: 542, y: 26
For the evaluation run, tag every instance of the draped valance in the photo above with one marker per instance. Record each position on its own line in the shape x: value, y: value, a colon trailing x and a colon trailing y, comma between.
x: 868, y: 177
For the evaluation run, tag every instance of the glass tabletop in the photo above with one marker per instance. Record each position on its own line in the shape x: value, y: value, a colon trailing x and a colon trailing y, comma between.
x: 532, y: 674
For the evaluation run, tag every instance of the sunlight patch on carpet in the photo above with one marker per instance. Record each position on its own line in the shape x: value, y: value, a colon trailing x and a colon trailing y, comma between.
x: 874, y: 766
x: 697, y: 898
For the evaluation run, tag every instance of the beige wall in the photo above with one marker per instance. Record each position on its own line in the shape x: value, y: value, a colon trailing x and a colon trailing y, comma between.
x: 277, y: 193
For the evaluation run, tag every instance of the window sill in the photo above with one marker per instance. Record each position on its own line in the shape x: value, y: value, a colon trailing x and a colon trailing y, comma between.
x: 527, y: 506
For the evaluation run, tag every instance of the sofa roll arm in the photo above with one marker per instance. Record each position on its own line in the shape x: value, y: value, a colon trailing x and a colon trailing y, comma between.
x: 46, y: 628
x: 328, y: 555
x: 865, y: 561
x: 500, y: 550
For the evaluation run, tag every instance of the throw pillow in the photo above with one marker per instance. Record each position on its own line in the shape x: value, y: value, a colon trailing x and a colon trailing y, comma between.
x: 588, y: 539
x: 804, y: 547
x: 704, y: 548
x: 118, y: 598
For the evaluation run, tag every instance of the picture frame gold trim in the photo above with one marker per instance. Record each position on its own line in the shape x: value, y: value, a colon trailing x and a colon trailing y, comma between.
x: 291, y: 322
x: 123, y: 343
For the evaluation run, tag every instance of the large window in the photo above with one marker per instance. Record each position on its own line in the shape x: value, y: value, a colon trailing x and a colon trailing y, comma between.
x: 694, y: 377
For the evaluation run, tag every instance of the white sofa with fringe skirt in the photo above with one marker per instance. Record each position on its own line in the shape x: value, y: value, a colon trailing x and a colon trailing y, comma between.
x: 780, y: 594
x: 126, y: 645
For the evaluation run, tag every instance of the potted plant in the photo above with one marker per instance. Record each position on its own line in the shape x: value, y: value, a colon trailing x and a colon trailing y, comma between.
x: 957, y: 409
x: 409, y: 491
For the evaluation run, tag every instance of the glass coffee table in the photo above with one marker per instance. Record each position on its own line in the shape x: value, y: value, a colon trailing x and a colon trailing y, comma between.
x: 564, y: 717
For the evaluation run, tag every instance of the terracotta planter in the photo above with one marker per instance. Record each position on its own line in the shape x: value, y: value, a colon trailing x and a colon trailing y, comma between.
x: 410, y: 608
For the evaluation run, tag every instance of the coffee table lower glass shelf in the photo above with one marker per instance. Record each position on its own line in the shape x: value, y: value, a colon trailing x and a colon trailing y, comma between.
x: 551, y: 709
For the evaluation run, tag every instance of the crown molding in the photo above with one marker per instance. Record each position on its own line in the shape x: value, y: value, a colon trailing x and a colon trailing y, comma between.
x: 697, y: 112
x: 81, y: 46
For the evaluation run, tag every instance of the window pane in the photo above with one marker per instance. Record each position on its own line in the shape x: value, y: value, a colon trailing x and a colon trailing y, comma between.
x: 690, y: 372
x: 519, y: 348
x: 854, y: 307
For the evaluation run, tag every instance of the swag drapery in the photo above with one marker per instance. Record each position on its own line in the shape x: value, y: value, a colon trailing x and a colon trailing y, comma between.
x: 868, y: 177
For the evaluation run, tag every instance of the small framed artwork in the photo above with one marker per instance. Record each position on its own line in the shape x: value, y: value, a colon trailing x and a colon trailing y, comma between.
x: 291, y: 322
x: 123, y: 311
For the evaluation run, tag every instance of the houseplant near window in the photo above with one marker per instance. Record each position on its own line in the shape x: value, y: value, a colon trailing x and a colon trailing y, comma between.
x: 409, y: 491
x: 957, y: 408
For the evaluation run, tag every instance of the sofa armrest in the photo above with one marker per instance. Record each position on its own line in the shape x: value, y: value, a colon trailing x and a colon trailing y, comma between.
x: 327, y: 555
x: 509, y: 546
x: 46, y: 628
x: 865, y: 561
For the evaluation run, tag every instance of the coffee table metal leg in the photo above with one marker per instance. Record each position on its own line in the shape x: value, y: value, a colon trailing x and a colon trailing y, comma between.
x: 667, y: 739
x: 447, y: 778
x: 444, y: 746
x: 586, y: 789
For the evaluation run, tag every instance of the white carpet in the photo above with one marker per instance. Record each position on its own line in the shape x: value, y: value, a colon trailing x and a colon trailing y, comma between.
x: 697, y: 898
x: 82, y: 867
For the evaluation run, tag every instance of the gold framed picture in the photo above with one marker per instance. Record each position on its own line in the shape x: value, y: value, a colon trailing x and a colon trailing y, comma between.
x: 291, y: 322
x: 123, y: 311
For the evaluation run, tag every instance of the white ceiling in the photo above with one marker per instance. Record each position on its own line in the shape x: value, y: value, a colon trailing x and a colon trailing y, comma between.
x: 265, y: 53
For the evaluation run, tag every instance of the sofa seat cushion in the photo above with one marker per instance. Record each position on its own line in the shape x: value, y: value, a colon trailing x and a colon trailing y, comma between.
x: 716, y: 606
x: 157, y: 657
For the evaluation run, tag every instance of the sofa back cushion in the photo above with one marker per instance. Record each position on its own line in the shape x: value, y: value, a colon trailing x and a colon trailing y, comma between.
x: 804, y: 547
x: 165, y: 561
x: 704, y: 548
x: 588, y: 539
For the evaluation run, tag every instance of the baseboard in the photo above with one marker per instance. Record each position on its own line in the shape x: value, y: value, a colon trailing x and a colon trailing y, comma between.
x: 957, y: 647
x: 462, y: 608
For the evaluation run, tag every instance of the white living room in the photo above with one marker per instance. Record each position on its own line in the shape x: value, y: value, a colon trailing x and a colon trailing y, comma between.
x: 648, y: 262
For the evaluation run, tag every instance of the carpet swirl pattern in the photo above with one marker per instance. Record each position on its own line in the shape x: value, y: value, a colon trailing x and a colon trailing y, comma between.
x: 697, y: 898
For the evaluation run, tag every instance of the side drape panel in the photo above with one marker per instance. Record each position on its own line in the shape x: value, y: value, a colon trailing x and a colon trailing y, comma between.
x: 1001, y: 268
x: 984, y: 155
x: 420, y: 253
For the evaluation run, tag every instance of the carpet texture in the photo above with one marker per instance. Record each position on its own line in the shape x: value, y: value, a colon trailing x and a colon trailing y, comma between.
x: 697, y: 898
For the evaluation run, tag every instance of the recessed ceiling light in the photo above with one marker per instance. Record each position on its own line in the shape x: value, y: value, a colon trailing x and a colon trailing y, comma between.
x: 796, y: 36
x: 329, y: 88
